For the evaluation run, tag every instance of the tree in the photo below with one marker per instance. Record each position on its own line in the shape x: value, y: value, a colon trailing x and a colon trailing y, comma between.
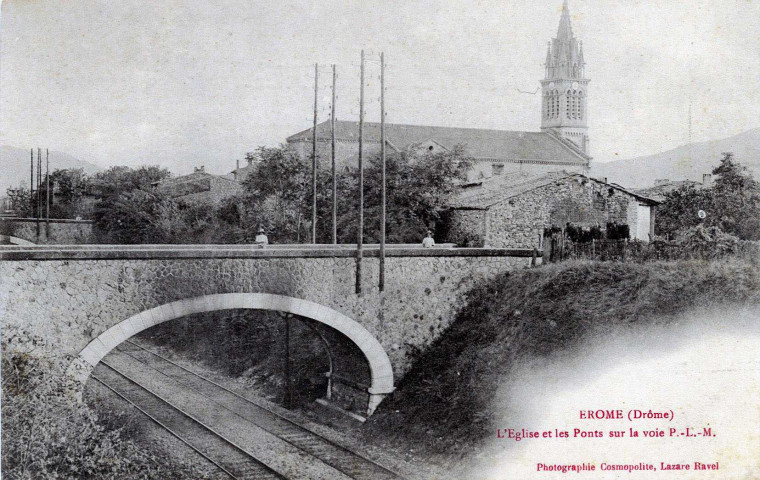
x: 275, y: 192
x: 419, y: 189
x: 20, y: 201
x: 736, y: 200
x: 136, y: 216
x: 679, y: 211
x: 278, y: 195
x: 120, y: 179
x: 69, y: 187
x: 732, y: 204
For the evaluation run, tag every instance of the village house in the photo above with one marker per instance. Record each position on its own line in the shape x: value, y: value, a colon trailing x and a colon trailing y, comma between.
x: 514, y: 210
x: 199, y: 186
x: 663, y: 186
x: 241, y: 173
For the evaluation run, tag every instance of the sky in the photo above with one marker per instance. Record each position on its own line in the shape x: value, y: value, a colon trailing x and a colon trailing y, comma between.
x: 187, y: 83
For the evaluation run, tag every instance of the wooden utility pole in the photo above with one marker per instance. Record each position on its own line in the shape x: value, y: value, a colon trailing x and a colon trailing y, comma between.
x: 332, y: 158
x: 382, y: 186
x: 288, y: 372
x: 31, y: 183
x: 47, y: 193
x: 39, y: 182
x: 360, y: 236
x: 39, y: 193
x: 314, y: 160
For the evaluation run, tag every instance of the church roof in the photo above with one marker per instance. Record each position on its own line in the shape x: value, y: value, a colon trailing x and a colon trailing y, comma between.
x: 489, y: 192
x: 480, y: 144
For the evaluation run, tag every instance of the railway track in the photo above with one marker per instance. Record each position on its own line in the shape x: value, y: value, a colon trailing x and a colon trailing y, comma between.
x: 347, y: 461
x: 215, y: 448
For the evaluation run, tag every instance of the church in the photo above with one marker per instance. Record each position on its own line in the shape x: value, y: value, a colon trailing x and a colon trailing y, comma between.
x: 561, y: 144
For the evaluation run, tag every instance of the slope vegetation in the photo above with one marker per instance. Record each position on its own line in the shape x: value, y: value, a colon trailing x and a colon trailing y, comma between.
x: 444, y: 405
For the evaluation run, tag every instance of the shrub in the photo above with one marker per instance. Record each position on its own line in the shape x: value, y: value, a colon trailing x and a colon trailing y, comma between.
x: 48, y: 434
x: 707, y: 243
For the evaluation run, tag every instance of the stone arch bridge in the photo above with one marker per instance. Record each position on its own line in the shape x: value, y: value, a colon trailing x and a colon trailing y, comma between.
x: 78, y: 302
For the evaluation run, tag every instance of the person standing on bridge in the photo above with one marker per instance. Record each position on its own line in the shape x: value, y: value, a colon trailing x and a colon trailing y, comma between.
x: 261, y: 238
x: 428, y: 241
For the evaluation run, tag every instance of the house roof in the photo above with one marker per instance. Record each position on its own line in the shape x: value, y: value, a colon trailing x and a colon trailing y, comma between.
x: 481, y: 144
x: 195, y: 182
x: 484, y: 194
x: 239, y: 174
x: 658, y: 192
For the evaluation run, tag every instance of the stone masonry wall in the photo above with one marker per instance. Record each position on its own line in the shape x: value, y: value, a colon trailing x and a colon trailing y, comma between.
x: 59, y: 306
x: 62, y: 232
x: 519, y: 222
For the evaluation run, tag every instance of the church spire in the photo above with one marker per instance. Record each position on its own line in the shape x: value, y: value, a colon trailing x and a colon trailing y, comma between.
x: 566, y: 56
x: 565, y: 30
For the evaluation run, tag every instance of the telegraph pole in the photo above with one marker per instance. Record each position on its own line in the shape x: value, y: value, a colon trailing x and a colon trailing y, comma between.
x: 360, y: 239
x: 314, y: 160
x: 332, y: 157
x: 31, y: 182
x: 47, y: 193
x: 39, y: 184
x: 288, y: 372
x: 382, y: 186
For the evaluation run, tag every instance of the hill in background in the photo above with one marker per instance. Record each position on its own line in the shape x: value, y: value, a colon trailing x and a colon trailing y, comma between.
x: 687, y: 162
x: 15, y: 165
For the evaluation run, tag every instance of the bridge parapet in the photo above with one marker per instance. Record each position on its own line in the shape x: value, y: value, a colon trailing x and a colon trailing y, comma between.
x: 42, y: 231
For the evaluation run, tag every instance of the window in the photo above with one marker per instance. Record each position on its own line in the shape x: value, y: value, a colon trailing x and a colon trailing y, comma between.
x: 498, y: 168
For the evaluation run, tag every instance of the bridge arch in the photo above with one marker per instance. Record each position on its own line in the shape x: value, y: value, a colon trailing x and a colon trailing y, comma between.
x: 381, y: 371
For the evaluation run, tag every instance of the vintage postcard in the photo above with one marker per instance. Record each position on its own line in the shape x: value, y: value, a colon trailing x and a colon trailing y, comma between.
x: 431, y: 239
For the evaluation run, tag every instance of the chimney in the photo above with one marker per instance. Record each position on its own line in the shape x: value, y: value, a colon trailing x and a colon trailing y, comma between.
x: 250, y: 161
x: 707, y: 179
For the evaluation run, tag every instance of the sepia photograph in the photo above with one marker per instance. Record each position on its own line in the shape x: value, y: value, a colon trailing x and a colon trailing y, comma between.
x: 345, y: 239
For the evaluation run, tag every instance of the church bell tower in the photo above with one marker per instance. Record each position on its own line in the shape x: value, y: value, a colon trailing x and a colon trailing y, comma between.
x: 565, y: 87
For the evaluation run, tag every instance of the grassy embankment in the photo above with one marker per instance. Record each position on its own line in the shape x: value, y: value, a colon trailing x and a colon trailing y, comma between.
x: 46, y: 434
x: 443, y: 407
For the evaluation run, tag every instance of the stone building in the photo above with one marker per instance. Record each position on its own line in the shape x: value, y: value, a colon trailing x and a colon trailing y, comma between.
x: 494, y: 151
x: 512, y: 211
x: 561, y: 144
x: 663, y: 186
x: 199, y: 186
x: 241, y: 173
